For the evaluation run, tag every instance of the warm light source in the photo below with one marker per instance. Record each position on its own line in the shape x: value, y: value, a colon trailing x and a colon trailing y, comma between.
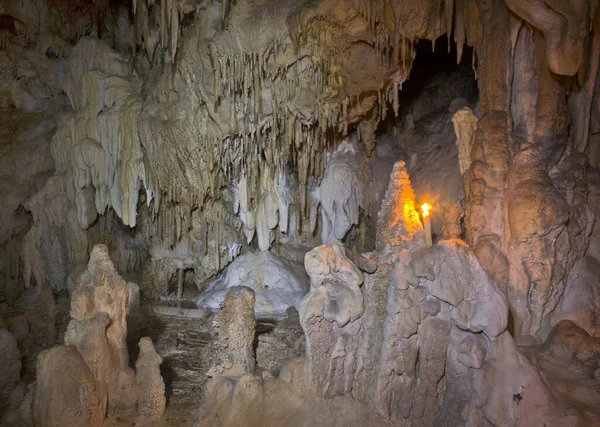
x: 425, y: 208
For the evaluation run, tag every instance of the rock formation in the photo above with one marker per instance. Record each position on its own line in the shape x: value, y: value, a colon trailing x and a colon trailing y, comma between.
x: 452, y: 228
x: 187, y: 136
x: 234, y: 348
x: 398, y: 220
x: 66, y: 391
x: 99, y: 382
x: 445, y: 357
x: 465, y: 124
x: 340, y: 195
x: 275, y: 284
x: 150, y: 388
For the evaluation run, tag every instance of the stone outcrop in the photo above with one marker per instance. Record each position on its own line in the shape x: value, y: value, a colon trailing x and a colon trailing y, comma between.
x: 465, y: 125
x: 235, y: 325
x: 340, y: 195
x: 328, y: 315
x: 66, y: 391
x: 150, y: 387
x: 89, y: 379
x: 453, y: 216
x: 445, y: 357
x: 275, y: 284
x: 398, y: 222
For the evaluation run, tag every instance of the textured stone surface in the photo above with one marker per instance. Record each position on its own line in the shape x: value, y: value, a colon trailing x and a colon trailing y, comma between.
x: 398, y: 220
x: 453, y: 216
x: 150, y: 387
x: 10, y: 367
x: 445, y: 358
x: 66, y: 392
x: 210, y: 125
x: 99, y: 382
x: 235, y: 325
x: 99, y: 318
x: 465, y: 125
x: 275, y: 284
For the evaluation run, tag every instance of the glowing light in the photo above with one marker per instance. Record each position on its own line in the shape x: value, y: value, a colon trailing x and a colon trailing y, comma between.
x: 425, y: 208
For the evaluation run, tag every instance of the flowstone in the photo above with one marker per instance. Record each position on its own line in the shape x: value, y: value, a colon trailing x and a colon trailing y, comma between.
x: 276, y: 286
x: 444, y: 357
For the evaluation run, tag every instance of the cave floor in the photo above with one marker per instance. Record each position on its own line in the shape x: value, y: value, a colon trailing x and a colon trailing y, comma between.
x: 185, y: 346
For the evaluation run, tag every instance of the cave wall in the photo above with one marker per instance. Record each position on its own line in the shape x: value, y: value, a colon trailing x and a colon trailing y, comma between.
x: 209, y: 127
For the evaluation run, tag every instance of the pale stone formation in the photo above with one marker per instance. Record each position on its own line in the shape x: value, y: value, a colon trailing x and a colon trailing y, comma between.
x: 452, y: 228
x: 96, y: 148
x: 275, y: 284
x: 329, y: 314
x: 445, y: 357
x: 150, y: 387
x: 235, y: 325
x: 465, y: 124
x: 99, y: 318
x: 89, y: 378
x: 66, y: 391
x: 341, y: 195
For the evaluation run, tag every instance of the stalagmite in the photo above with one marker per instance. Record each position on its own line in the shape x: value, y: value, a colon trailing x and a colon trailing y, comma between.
x: 465, y: 125
x: 398, y: 222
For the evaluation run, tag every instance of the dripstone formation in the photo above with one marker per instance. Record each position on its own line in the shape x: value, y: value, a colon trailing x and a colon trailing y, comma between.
x: 88, y: 379
x: 236, y: 186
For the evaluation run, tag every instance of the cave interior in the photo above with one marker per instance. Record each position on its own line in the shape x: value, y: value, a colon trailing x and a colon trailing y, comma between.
x: 299, y: 212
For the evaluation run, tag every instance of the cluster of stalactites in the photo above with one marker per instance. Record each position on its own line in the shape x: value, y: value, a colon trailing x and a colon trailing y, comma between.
x: 249, y: 121
x: 168, y: 15
x: 96, y: 148
x: 393, y: 32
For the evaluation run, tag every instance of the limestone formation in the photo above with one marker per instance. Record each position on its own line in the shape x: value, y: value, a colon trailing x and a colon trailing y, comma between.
x: 398, y: 221
x: 150, y: 387
x: 465, y: 124
x: 97, y: 148
x: 99, y: 308
x: 190, y: 135
x: 99, y: 382
x: 329, y: 314
x: 341, y: 196
x: 66, y: 391
x: 444, y: 346
x: 275, y: 284
x: 234, y: 348
x: 452, y: 228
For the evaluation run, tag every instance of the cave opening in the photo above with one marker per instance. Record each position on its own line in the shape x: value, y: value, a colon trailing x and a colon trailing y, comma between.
x: 422, y: 135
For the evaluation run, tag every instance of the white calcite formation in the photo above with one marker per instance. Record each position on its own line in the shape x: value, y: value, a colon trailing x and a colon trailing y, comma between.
x: 275, y: 285
x: 97, y: 148
x: 340, y: 195
x: 465, y: 125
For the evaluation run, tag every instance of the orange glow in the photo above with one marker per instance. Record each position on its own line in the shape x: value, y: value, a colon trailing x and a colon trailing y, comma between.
x: 425, y: 208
